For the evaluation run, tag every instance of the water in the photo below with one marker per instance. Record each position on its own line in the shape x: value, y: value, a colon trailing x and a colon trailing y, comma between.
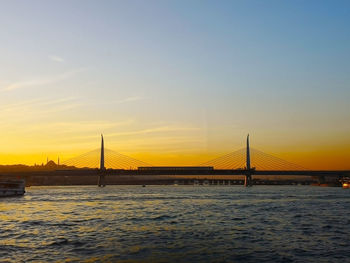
x: 176, y: 224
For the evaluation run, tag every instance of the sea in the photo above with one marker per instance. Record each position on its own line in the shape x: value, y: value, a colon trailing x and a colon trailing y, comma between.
x: 176, y: 224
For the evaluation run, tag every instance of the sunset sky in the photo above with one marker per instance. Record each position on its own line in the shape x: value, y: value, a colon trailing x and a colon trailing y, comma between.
x: 175, y: 82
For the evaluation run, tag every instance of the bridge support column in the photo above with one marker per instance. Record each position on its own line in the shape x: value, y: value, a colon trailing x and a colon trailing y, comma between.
x: 321, y: 179
x: 248, y: 180
x: 248, y: 176
x: 101, y: 177
x: 101, y: 180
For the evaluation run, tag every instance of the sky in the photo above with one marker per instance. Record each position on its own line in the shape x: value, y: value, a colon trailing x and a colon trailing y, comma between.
x: 175, y: 82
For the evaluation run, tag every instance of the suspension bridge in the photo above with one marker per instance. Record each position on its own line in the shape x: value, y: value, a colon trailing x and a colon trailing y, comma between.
x: 246, y: 162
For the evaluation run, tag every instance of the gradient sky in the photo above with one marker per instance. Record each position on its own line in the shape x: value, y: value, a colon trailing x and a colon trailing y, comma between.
x: 175, y: 82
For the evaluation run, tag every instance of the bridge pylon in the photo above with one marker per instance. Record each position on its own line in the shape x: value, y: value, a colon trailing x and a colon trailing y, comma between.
x: 248, y: 176
x: 101, y: 177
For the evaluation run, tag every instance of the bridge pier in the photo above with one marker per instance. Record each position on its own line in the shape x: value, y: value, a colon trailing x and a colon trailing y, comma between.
x: 101, y: 180
x: 321, y: 179
x: 248, y: 180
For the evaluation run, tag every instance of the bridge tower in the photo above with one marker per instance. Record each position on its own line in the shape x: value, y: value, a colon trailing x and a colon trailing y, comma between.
x: 248, y: 176
x: 102, y: 158
x: 101, y: 178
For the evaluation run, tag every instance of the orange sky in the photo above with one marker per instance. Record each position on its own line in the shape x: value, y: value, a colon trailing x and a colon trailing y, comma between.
x: 176, y: 153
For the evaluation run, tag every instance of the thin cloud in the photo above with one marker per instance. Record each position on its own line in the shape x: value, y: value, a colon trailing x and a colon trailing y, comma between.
x: 31, y: 110
x: 56, y: 58
x: 78, y: 127
x: 130, y: 99
x: 121, y: 101
x: 36, y: 103
x: 155, y: 130
x: 43, y: 81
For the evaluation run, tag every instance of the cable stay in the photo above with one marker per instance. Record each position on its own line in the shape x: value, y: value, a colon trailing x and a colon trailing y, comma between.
x: 113, y: 160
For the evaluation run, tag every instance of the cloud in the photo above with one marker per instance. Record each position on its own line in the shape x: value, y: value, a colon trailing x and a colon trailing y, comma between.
x: 121, y: 101
x: 56, y: 58
x: 80, y: 127
x: 155, y: 130
x: 27, y: 104
x: 43, y: 81
x: 34, y: 109
x: 130, y: 99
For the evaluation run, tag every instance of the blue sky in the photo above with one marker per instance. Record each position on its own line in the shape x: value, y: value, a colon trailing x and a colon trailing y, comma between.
x: 170, y: 77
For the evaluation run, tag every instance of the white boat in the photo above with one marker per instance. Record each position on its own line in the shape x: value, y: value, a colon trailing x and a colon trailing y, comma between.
x: 12, y: 187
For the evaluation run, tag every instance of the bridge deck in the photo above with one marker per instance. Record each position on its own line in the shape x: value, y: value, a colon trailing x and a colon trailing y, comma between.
x: 199, y: 172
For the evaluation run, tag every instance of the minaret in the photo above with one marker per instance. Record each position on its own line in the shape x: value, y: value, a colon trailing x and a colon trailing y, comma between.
x: 102, y: 159
x: 248, y: 154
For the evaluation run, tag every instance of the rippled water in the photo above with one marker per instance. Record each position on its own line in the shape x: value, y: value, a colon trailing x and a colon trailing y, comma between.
x: 176, y: 224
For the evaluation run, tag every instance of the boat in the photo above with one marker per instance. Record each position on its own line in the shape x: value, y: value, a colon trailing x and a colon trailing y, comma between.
x: 346, y: 182
x: 12, y: 187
